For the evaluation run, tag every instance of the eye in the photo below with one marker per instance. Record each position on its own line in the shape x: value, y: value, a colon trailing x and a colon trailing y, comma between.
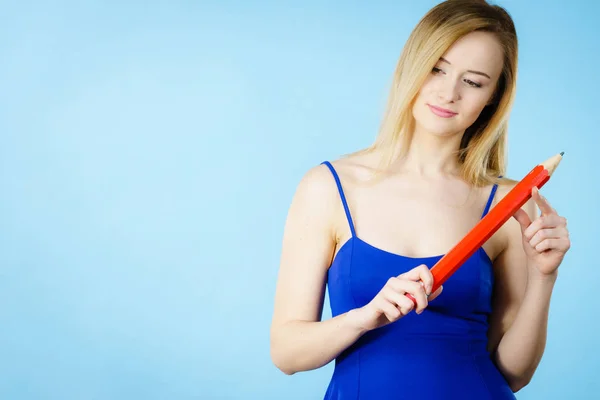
x: 472, y: 84
x: 436, y: 70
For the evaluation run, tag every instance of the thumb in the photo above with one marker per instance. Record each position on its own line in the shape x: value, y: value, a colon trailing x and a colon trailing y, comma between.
x: 413, y: 274
x: 523, y: 219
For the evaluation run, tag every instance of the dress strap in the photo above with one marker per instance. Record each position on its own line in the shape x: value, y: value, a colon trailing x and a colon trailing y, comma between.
x: 490, y: 200
x: 342, y: 196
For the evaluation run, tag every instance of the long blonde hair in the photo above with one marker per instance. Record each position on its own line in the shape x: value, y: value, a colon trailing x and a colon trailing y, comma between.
x: 482, y: 153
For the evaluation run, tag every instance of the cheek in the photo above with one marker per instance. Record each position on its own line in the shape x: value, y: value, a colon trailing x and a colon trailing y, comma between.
x: 424, y: 96
x: 418, y: 105
x: 472, y: 106
x: 427, y: 89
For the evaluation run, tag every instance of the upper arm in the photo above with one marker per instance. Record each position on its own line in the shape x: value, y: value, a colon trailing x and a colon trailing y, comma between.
x: 307, y: 249
x: 510, y: 272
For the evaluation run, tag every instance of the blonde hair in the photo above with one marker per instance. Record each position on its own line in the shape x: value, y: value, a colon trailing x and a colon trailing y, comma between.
x: 482, y: 153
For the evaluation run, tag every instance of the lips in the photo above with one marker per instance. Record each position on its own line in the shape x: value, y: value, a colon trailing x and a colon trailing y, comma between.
x: 441, y: 112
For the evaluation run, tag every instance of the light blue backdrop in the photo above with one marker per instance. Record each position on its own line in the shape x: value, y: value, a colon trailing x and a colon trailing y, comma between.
x: 149, y: 152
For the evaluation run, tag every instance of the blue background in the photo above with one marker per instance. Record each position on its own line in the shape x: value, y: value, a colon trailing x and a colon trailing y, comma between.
x: 149, y: 152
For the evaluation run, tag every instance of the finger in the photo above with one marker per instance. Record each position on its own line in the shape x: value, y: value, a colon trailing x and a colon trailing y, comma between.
x: 435, y: 294
x: 416, y: 290
x: 400, y: 285
x: 398, y: 300
x: 523, y: 219
x: 542, y: 234
x: 542, y: 202
x: 394, y: 296
x: 543, y: 222
x: 403, y: 287
x: 390, y: 311
x: 561, y: 244
x: 406, y: 305
x: 420, y: 273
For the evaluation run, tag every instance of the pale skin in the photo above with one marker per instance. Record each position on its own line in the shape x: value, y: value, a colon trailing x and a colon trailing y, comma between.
x: 418, y: 195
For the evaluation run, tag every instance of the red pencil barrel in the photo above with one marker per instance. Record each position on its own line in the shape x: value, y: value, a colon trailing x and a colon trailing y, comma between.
x: 497, y: 216
x: 488, y: 225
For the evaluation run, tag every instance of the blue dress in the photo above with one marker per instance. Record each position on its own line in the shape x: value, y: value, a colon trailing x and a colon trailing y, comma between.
x: 439, y: 354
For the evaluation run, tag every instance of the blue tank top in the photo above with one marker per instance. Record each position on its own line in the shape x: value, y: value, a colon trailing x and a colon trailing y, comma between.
x: 439, y: 354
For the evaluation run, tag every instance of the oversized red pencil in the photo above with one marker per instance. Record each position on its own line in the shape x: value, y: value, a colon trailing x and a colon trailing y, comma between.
x: 488, y: 225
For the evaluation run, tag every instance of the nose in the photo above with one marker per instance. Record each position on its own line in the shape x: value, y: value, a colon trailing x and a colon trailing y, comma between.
x: 448, y: 91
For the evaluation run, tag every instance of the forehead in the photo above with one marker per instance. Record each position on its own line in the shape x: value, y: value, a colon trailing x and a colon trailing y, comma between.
x: 477, y: 51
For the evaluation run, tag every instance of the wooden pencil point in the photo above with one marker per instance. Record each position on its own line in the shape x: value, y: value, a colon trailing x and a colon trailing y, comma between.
x: 551, y: 163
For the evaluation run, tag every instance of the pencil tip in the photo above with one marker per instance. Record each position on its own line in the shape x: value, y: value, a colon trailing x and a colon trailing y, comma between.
x: 561, y: 153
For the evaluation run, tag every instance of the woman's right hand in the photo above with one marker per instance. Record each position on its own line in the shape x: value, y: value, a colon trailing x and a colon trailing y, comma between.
x: 391, y: 303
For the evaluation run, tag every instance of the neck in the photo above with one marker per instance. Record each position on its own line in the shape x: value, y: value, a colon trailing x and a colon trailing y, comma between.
x: 430, y: 155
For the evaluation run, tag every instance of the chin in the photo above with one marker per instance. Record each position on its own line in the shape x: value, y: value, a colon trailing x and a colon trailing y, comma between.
x: 428, y: 122
x: 438, y: 129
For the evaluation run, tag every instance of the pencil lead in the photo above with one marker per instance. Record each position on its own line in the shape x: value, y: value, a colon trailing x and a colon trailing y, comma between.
x: 561, y: 153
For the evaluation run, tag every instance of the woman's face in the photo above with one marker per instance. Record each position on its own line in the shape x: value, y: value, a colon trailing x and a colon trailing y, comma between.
x: 460, y: 85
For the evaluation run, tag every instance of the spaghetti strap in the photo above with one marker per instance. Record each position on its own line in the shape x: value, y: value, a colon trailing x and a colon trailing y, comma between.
x: 490, y: 200
x: 342, y: 196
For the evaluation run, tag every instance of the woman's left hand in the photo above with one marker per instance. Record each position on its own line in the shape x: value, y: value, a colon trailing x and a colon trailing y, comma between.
x: 546, y: 239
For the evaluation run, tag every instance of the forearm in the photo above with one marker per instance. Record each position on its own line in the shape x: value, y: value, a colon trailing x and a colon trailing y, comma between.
x: 302, y: 345
x: 520, y: 351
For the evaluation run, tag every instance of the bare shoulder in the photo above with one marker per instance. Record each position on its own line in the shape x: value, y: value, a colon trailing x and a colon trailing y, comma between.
x: 357, y: 168
x: 312, y: 216
x: 316, y: 193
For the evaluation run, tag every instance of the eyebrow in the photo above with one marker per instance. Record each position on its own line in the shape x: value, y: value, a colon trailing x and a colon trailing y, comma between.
x: 471, y: 71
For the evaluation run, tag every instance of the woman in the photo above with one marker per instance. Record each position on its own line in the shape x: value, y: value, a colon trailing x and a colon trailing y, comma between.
x: 370, y: 225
